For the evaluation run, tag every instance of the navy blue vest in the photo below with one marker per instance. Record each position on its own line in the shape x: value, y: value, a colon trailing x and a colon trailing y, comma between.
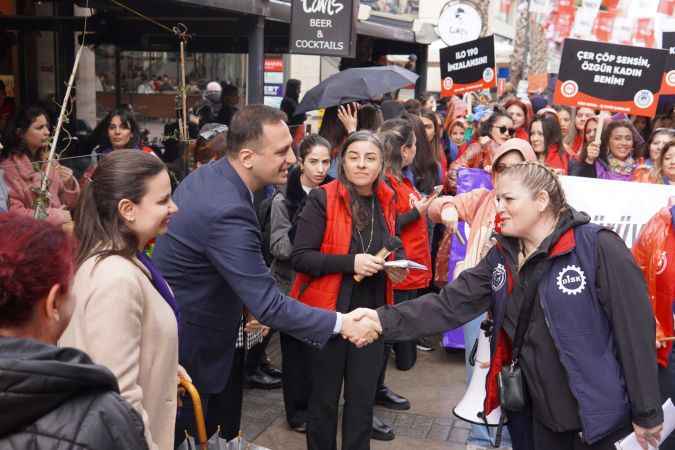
x: 580, y: 329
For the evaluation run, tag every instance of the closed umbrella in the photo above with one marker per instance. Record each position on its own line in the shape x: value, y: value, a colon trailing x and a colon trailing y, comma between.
x: 361, y: 83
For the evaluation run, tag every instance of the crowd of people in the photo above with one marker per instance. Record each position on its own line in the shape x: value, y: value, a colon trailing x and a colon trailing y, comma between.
x: 153, y: 267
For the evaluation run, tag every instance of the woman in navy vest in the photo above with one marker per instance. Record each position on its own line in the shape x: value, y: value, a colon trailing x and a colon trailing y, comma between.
x: 587, y: 356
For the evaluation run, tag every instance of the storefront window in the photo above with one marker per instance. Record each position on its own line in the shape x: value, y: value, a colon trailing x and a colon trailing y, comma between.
x: 149, y: 82
x: 408, y: 7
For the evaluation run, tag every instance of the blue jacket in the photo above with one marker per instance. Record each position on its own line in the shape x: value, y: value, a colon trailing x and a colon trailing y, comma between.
x: 211, y: 258
x: 581, y: 331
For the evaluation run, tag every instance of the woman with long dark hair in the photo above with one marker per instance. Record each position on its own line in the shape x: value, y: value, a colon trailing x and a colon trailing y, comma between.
x: 493, y: 132
x: 426, y: 170
x: 117, y: 131
x: 342, y: 226
x: 432, y: 129
x: 546, y: 140
x: 614, y: 158
x: 125, y: 314
x: 23, y: 164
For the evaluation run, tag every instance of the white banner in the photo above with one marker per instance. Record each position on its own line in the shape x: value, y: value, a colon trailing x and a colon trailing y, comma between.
x: 622, y: 206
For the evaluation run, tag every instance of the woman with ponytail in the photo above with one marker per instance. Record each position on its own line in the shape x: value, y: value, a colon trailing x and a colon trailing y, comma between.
x: 125, y: 316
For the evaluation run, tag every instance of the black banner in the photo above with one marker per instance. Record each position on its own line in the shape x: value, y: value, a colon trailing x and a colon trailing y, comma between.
x: 324, y: 27
x: 468, y: 67
x: 669, y: 81
x: 610, y: 77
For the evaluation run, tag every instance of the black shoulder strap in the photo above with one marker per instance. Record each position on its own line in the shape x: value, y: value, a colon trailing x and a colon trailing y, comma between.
x: 529, y: 291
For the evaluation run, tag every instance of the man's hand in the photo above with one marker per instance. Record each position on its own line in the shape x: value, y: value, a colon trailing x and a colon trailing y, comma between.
x: 648, y: 437
x: 253, y: 325
x: 361, y: 327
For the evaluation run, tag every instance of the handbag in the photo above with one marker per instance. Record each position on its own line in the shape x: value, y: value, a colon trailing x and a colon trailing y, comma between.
x: 512, y: 392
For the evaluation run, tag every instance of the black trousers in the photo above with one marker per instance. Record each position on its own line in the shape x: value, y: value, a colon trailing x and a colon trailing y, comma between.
x: 222, y: 409
x: 359, y: 368
x: 667, y: 385
x: 546, y: 439
x: 297, y: 382
x: 256, y: 354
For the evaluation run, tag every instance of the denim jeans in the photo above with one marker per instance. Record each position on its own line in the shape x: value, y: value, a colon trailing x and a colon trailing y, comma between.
x: 479, y: 434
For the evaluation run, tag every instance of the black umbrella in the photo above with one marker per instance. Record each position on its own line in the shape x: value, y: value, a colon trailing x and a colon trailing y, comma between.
x: 361, y: 83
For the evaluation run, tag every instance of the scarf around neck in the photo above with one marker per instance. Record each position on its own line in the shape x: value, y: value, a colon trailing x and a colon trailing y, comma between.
x: 622, y: 167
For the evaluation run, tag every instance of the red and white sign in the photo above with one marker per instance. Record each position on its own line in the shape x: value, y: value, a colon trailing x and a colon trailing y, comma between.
x: 274, y: 64
x: 604, y: 25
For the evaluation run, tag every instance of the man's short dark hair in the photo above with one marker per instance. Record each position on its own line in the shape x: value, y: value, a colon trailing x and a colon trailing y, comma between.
x: 246, y: 128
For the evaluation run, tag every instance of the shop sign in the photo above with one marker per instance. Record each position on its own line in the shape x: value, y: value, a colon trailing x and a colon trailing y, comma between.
x: 459, y: 22
x: 324, y: 27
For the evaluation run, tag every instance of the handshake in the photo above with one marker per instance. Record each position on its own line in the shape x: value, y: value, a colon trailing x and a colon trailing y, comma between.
x: 361, y: 326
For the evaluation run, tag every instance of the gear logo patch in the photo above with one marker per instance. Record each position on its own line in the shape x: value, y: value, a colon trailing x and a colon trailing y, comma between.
x: 571, y: 280
x: 498, y: 277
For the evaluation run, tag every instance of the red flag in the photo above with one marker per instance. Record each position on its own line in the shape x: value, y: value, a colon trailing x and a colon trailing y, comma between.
x: 610, y: 4
x: 505, y: 6
x: 643, y: 33
x: 565, y: 22
x: 667, y: 7
x: 603, y: 26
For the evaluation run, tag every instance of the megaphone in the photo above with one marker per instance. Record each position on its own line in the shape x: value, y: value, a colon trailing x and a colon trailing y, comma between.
x: 470, y: 408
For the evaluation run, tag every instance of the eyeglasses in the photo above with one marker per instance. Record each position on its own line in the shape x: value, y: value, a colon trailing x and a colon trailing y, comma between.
x: 506, y: 130
x: 206, y: 135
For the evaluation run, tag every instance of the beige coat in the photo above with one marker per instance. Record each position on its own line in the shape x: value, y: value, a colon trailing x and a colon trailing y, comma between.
x: 123, y: 323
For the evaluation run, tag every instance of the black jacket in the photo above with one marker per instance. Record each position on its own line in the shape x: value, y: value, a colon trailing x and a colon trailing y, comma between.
x: 57, y: 398
x: 621, y: 291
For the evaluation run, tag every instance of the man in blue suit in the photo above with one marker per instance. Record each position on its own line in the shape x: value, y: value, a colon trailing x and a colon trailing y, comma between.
x: 211, y: 256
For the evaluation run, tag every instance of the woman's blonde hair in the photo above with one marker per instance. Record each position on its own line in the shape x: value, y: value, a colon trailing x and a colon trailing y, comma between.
x: 538, y: 177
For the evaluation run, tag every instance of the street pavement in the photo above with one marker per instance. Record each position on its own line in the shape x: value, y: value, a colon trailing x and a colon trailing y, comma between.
x: 433, y: 386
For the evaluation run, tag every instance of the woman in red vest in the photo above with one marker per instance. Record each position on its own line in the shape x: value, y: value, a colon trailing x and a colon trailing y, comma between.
x: 340, y: 229
x: 546, y: 139
x: 399, y: 142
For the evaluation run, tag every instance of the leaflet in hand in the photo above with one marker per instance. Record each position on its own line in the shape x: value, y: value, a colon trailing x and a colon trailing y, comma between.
x: 405, y: 264
x: 631, y: 443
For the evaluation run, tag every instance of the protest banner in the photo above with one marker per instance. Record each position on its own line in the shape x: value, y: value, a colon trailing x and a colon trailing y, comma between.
x: 325, y: 28
x: 622, y: 206
x: 668, y: 87
x: 468, y: 67
x: 610, y: 77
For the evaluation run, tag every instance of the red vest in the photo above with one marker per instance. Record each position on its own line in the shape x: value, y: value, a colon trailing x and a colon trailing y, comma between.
x: 555, y: 161
x: 323, y: 292
x: 414, y: 236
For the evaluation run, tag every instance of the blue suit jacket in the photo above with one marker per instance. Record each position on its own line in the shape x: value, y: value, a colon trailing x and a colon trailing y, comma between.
x: 211, y: 257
